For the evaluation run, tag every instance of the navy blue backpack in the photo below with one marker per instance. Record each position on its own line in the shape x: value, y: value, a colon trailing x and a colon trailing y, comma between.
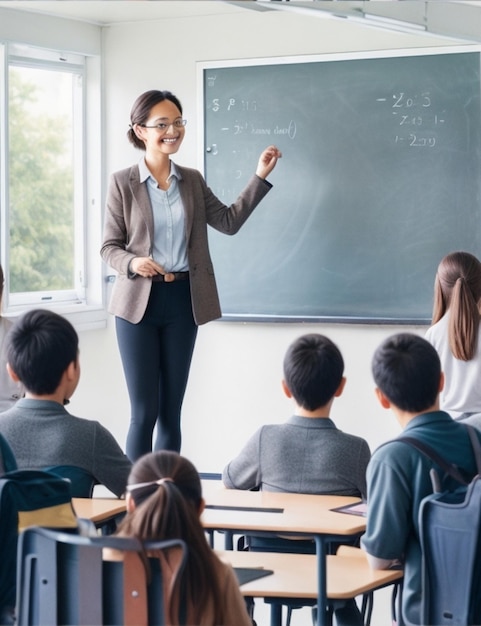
x: 28, y: 498
x: 450, y: 535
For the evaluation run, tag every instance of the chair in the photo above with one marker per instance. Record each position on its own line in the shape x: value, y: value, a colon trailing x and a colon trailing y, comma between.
x: 7, y: 458
x: 82, y: 481
x: 68, y: 579
x: 28, y: 497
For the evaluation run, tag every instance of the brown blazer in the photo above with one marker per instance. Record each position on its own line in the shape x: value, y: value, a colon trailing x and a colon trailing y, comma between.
x: 129, y: 232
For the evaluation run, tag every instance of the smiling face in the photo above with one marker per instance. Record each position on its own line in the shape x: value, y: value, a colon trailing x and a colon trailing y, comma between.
x: 165, y: 134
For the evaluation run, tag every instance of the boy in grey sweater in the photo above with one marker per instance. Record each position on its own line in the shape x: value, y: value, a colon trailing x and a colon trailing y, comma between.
x: 42, y: 353
x: 308, y: 453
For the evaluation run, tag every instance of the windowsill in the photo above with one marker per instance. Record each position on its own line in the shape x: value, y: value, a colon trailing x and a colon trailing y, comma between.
x: 81, y: 316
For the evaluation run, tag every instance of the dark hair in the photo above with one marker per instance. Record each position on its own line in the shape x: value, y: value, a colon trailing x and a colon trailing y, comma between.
x: 313, y: 369
x: 41, y: 345
x: 407, y: 369
x: 170, y: 510
x: 2, y: 281
x: 457, y: 287
x: 141, y: 111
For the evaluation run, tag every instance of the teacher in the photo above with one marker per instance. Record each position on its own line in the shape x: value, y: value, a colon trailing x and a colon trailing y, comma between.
x: 155, y: 237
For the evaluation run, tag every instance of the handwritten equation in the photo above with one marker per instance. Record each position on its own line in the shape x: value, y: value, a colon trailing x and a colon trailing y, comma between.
x: 245, y: 122
x: 417, y: 122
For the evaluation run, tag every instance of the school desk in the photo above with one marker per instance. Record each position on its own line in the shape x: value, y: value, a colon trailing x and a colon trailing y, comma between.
x: 294, y: 577
x: 103, y: 512
x: 285, y: 514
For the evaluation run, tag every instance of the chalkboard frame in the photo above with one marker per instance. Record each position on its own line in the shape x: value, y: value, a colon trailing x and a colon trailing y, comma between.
x: 205, y: 68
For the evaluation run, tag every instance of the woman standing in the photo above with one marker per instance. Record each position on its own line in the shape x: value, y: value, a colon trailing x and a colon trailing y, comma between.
x: 155, y: 237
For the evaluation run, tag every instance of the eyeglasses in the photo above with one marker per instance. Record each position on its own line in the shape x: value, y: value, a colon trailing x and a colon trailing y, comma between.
x: 162, y: 127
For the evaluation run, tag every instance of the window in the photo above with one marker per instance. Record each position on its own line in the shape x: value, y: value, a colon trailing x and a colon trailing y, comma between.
x: 44, y: 180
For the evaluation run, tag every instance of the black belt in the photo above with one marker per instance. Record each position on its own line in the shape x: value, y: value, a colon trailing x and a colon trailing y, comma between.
x: 170, y: 277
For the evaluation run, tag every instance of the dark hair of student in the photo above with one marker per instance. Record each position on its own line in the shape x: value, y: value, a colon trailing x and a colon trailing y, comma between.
x: 457, y: 288
x: 407, y: 369
x: 41, y: 345
x: 313, y: 369
x: 170, y: 510
x: 141, y: 111
x: 2, y: 282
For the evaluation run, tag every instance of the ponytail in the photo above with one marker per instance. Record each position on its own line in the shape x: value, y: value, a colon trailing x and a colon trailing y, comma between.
x: 167, y: 492
x: 457, y: 289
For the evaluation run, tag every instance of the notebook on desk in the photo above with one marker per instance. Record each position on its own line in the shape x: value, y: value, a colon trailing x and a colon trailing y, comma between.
x: 358, y: 508
x: 252, y: 509
x: 248, y: 574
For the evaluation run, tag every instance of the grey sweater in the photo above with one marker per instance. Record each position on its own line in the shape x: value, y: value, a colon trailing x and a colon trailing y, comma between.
x: 42, y: 433
x: 304, y: 455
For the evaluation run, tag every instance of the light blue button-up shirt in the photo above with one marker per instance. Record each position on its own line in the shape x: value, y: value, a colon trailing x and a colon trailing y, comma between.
x: 170, y: 245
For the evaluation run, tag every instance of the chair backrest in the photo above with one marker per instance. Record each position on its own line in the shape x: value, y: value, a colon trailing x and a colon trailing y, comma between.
x: 7, y: 458
x: 67, y: 579
x: 82, y: 481
x: 28, y: 497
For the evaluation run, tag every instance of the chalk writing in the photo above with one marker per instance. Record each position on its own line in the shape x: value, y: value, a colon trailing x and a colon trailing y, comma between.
x: 416, y: 141
x: 416, y: 119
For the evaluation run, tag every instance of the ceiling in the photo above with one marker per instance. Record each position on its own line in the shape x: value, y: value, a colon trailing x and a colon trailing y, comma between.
x: 458, y: 18
x: 115, y: 11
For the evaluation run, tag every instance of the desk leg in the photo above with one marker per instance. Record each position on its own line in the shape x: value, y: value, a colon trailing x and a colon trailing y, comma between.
x: 323, y: 615
x: 276, y: 614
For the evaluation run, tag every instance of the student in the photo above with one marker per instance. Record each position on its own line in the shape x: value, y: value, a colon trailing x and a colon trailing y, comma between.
x: 407, y: 373
x: 43, y: 354
x: 155, y: 236
x: 10, y: 391
x: 454, y: 334
x: 308, y: 453
x: 164, y: 501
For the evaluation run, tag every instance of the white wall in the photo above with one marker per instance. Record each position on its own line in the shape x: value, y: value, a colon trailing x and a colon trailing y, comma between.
x: 234, y: 385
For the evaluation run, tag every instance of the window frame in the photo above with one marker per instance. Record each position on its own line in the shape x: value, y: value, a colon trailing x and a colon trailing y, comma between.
x: 83, y: 305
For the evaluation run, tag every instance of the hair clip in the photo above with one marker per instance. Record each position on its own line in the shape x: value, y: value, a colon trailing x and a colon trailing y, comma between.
x: 159, y: 482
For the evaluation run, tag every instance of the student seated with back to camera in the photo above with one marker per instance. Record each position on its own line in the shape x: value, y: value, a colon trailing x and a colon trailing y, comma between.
x: 43, y: 354
x: 308, y: 453
x: 407, y: 373
x: 164, y: 501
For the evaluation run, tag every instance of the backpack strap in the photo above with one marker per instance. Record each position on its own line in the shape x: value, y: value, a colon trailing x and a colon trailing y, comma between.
x: 448, y: 468
x: 473, y: 435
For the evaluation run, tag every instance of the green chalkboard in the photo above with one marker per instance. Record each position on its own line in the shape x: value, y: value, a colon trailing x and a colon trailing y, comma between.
x: 380, y: 178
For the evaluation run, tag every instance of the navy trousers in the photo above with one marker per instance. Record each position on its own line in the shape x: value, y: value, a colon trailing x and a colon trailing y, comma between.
x: 156, y: 355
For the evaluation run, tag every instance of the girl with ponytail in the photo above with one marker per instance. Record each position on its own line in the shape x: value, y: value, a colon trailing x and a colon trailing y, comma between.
x: 455, y: 334
x: 164, y: 501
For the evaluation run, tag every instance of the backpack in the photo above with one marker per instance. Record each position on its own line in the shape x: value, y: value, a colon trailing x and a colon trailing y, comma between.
x: 450, y: 536
x: 28, y: 498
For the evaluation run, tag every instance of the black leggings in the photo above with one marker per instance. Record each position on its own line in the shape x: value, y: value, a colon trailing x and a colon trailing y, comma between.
x: 156, y: 355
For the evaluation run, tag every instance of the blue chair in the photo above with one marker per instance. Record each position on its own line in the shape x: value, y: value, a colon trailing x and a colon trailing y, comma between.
x: 66, y: 579
x: 82, y: 481
x: 7, y: 458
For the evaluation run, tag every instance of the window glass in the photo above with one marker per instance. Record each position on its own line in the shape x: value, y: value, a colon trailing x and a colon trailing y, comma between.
x: 41, y: 180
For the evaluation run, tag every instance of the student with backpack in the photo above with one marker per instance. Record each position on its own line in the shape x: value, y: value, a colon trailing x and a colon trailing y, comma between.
x: 455, y: 331
x: 407, y: 373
